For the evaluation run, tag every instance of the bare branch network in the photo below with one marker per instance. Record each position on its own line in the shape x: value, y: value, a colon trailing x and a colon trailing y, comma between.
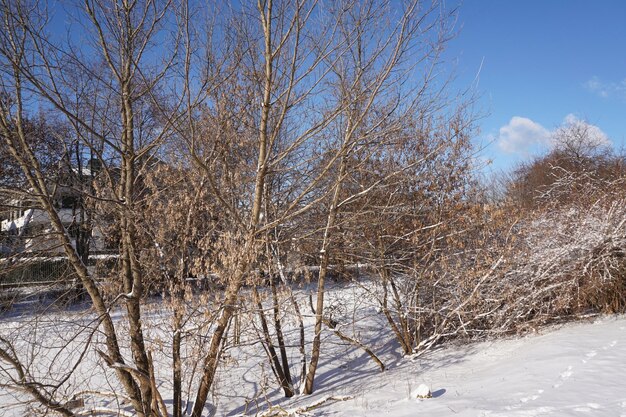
x: 185, y: 187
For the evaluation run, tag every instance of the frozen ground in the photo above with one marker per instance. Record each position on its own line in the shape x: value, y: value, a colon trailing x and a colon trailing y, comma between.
x: 577, y: 370
x: 574, y: 370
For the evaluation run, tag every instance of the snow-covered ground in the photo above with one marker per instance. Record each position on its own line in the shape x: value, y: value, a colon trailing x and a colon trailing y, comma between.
x: 578, y: 369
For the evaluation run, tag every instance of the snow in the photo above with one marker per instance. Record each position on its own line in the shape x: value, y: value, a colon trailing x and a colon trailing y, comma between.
x: 577, y: 369
x: 422, y: 392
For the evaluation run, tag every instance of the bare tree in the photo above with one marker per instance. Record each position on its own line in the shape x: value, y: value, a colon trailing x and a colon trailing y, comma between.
x: 379, y: 116
x: 122, y: 33
x: 263, y: 124
x: 581, y: 165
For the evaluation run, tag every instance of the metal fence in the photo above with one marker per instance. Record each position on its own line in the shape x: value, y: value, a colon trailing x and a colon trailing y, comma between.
x: 34, y: 271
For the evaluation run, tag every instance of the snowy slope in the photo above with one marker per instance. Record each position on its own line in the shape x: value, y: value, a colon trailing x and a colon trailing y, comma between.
x: 577, y: 370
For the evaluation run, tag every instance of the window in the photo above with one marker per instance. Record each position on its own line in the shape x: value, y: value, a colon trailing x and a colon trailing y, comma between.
x: 69, y: 202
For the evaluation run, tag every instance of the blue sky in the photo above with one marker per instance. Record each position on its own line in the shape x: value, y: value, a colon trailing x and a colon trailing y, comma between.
x: 542, y: 62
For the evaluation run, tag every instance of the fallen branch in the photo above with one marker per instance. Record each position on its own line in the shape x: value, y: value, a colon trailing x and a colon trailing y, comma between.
x: 333, y: 326
x: 278, y: 411
x: 104, y: 412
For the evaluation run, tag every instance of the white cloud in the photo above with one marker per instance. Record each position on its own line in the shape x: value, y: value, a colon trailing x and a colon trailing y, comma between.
x: 593, y: 135
x: 521, y: 135
x: 605, y: 89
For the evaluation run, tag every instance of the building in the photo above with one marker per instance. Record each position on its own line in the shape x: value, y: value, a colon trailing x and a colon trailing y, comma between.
x: 26, y: 229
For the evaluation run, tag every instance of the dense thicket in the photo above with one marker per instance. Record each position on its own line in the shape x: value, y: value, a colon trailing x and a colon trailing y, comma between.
x: 236, y: 154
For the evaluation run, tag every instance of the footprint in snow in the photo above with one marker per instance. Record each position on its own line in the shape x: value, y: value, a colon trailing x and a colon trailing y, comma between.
x: 610, y: 345
x: 527, y: 399
x: 588, y: 407
x: 564, y: 375
x: 524, y: 400
x: 589, y: 355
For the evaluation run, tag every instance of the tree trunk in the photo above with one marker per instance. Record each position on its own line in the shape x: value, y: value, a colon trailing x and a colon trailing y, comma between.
x: 281, y: 373
x: 324, y: 254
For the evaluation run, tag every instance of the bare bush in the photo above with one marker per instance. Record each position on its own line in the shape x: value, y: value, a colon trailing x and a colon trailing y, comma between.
x: 252, y: 131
